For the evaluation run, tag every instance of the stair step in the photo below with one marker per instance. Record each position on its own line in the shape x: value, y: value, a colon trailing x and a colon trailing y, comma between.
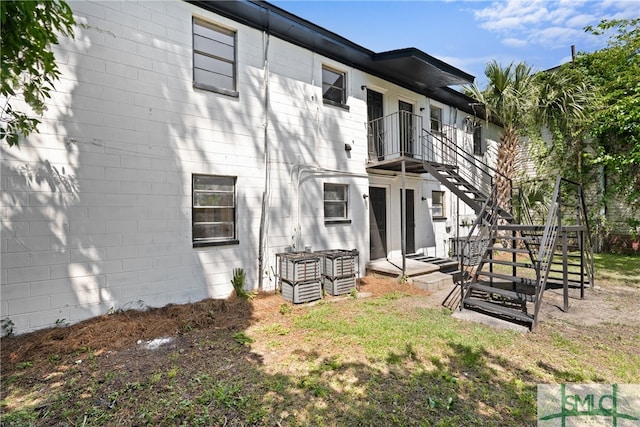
x: 512, y: 295
x: 521, y: 227
x: 559, y: 281
x: 497, y: 309
x: 510, y: 250
x: 532, y: 239
x: 509, y: 279
x: 509, y: 263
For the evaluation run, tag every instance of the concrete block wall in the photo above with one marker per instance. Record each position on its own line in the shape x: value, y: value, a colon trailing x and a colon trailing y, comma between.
x: 96, y: 208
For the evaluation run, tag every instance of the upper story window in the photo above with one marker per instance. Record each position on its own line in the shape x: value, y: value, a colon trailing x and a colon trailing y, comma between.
x: 213, y: 210
x: 336, y: 203
x: 477, y: 140
x: 436, y: 119
x: 334, y: 87
x: 214, y: 58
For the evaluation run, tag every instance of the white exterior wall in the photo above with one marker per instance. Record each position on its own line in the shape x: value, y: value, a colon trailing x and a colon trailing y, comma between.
x: 96, y: 208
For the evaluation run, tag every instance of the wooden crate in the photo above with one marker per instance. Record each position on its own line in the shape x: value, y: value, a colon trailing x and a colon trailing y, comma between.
x: 299, y: 267
x: 299, y: 292
x: 338, y: 285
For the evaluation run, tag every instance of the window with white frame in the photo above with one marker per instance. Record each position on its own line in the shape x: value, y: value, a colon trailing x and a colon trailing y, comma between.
x: 213, y: 210
x: 334, y: 87
x: 214, y: 57
x: 437, y: 205
x: 336, y: 202
x: 436, y: 119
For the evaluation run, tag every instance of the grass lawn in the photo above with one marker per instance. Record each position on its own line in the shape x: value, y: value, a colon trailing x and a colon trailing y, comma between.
x: 395, y: 358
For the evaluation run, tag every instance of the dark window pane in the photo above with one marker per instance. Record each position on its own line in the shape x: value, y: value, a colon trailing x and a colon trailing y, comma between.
x: 334, y: 210
x: 333, y: 94
x: 213, y: 183
x: 334, y: 192
x: 213, y: 199
x: 436, y: 197
x: 213, y: 231
x: 477, y: 140
x: 213, y: 215
x: 333, y: 86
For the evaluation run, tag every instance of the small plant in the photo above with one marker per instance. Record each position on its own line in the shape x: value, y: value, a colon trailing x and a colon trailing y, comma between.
x: 238, y: 283
x: 24, y: 365
x: 7, y: 326
x: 285, y: 309
x: 353, y: 293
x: 242, y: 338
x: 60, y: 323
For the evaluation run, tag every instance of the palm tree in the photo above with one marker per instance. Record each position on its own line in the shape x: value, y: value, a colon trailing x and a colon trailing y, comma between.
x: 564, y: 99
x: 510, y: 99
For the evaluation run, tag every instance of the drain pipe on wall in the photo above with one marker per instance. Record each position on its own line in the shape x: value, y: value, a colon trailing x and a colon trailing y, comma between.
x: 266, y: 195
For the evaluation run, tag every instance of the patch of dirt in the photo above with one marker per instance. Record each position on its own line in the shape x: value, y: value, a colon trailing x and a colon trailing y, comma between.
x: 110, y: 353
x: 121, y: 330
x: 111, y: 332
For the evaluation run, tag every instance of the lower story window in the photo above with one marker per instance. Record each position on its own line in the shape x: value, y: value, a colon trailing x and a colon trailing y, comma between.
x: 437, y: 204
x: 214, y: 210
x: 336, y: 199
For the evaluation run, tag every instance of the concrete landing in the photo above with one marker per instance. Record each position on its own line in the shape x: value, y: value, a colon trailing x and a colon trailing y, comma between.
x: 393, y: 267
x: 433, y: 281
x: 474, y: 316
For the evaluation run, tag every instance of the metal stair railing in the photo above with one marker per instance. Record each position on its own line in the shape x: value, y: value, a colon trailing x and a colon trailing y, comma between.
x: 440, y: 148
x: 577, y: 220
x: 393, y: 135
x: 586, y: 240
x: 547, y: 247
x: 477, y: 242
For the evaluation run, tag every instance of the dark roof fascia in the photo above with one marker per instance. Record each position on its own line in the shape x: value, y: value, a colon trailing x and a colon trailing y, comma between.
x: 291, y: 28
x: 460, y: 100
x: 460, y: 75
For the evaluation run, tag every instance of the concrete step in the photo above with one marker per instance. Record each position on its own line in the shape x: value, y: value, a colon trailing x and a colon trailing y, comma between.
x: 433, y: 281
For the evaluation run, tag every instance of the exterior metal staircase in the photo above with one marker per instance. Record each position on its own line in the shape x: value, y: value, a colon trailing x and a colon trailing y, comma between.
x: 509, y: 257
x: 506, y: 263
x: 509, y: 266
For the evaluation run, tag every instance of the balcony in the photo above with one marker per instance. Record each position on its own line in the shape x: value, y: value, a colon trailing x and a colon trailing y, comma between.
x: 401, y: 136
x: 399, y: 142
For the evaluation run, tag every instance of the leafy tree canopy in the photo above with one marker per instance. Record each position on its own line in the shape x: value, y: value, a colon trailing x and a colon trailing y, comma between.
x: 615, y: 72
x: 28, y: 67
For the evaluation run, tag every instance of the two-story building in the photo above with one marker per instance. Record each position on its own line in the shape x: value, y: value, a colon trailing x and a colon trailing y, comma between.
x: 186, y: 139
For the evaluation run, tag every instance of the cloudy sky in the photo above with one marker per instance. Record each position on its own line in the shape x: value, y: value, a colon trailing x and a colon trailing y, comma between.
x: 468, y: 34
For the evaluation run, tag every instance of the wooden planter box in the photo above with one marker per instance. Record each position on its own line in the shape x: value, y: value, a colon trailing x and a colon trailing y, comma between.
x: 339, y: 285
x: 299, y: 292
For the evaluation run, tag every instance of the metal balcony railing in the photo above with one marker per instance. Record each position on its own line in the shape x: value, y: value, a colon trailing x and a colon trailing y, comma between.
x: 395, y: 135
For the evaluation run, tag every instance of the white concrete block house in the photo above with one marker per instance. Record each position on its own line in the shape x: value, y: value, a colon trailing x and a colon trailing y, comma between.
x: 186, y: 139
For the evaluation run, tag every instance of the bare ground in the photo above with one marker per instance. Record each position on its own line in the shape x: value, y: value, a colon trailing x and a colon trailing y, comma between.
x: 200, y: 333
